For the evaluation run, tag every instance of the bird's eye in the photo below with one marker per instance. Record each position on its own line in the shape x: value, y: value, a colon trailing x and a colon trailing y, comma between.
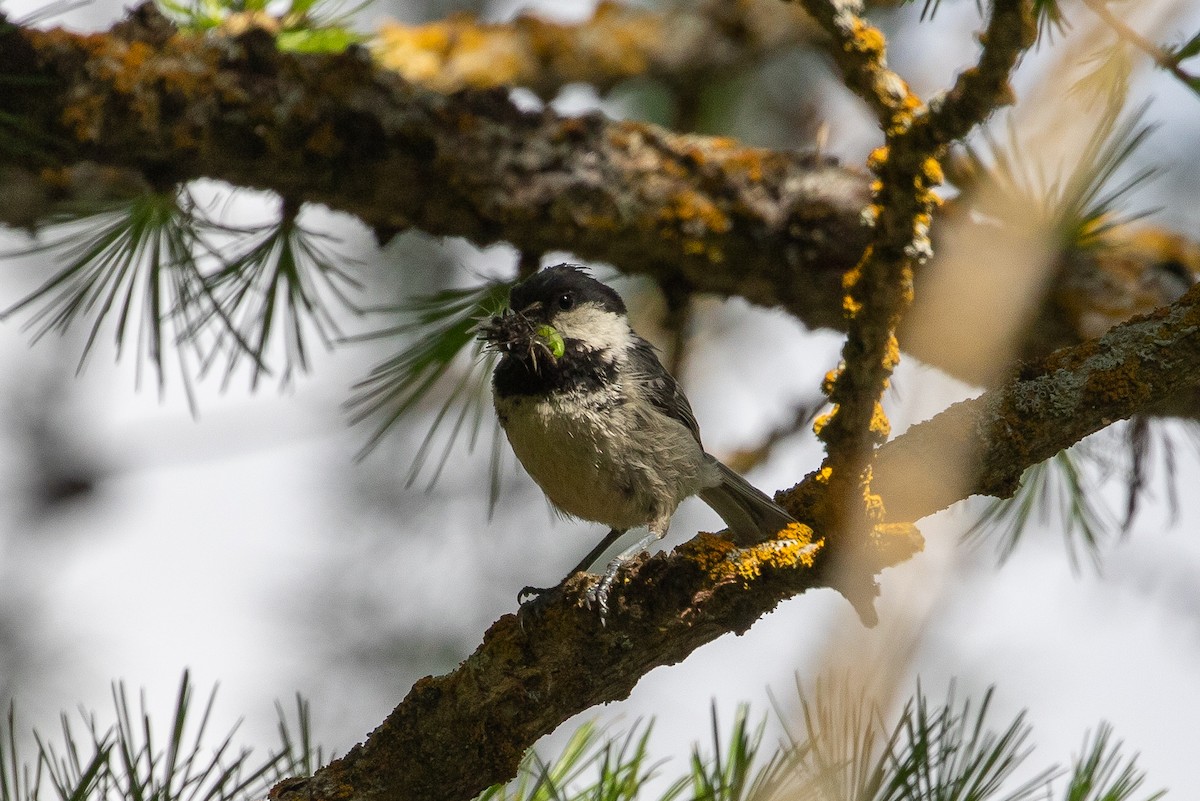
x: 565, y: 301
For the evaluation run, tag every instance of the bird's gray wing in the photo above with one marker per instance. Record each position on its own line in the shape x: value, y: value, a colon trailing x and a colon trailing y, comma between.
x: 661, y: 389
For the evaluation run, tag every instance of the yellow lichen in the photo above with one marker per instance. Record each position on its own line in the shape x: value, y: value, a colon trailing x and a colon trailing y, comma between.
x: 723, y: 561
x: 931, y: 169
x: 707, y: 550
x: 865, y: 39
x: 822, y: 421
x: 691, y: 218
x: 831, y: 378
x: 749, y: 162
x: 852, y: 276
x: 880, y: 425
x: 877, y: 158
x: 891, y: 356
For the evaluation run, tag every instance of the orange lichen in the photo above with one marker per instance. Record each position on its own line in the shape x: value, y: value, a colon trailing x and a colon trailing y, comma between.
x: 831, y: 378
x: 707, y: 550
x: 852, y: 276
x: 696, y: 214
x: 877, y: 158
x: 138, y: 75
x: 749, y: 162
x: 84, y: 117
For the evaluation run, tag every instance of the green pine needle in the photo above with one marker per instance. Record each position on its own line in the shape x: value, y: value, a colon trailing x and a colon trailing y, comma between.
x: 437, y: 330
x: 936, y: 752
x: 305, y: 26
x: 1047, y: 12
x: 1060, y: 490
x: 1081, y: 207
x: 1067, y: 490
x: 1101, y: 774
x: 948, y: 753
x: 128, y: 267
x: 591, y: 767
x: 1050, y: 18
x: 142, y: 269
x: 132, y: 761
x: 285, y: 282
x: 729, y: 774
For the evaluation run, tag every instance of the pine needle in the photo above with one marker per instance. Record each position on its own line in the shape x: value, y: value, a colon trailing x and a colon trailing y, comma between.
x: 437, y: 330
x: 1101, y: 774
x: 128, y: 267
x: 285, y: 282
x: 1058, y: 491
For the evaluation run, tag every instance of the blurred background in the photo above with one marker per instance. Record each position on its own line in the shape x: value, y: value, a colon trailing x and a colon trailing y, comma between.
x: 247, y: 544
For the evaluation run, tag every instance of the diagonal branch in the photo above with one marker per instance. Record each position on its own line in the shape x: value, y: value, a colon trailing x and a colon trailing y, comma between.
x: 522, y: 682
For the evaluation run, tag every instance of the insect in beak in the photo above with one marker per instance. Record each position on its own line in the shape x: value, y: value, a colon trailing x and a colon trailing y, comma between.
x: 514, y: 333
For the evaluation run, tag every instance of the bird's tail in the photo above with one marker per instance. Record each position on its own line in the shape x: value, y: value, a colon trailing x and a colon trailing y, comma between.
x: 751, y: 516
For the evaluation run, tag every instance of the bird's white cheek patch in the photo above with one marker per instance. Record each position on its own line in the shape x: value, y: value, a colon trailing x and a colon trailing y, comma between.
x: 599, y: 329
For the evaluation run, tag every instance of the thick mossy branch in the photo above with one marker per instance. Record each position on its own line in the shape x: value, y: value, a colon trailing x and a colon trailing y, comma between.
x: 142, y: 107
x: 338, y: 130
x: 680, y: 46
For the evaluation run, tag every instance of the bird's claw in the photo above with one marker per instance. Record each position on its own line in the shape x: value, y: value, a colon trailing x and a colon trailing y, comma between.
x: 596, y: 597
x: 533, y: 602
x: 529, y: 595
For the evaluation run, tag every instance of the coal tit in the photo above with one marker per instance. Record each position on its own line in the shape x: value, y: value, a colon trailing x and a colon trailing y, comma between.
x: 600, y: 425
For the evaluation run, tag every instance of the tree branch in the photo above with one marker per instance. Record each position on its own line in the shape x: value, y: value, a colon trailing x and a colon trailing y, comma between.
x: 679, y: 46
x: 777, y: 228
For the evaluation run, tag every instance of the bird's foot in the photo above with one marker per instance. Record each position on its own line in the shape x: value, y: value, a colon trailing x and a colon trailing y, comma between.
x: 596, y: 597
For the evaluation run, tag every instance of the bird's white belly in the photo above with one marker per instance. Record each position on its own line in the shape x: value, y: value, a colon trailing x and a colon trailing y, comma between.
x: 571, y: 451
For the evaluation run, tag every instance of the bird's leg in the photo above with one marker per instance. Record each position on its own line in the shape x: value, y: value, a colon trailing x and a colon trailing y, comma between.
x: 528, y: 594
x: 597, y: 596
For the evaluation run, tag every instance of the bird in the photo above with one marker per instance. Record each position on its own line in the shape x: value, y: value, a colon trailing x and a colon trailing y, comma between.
x: 601, y: 426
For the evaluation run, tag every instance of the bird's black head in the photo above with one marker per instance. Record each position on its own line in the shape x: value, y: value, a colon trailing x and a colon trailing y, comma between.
x: 559, y: 289
x: 563, y: 329
x: 554, y: 307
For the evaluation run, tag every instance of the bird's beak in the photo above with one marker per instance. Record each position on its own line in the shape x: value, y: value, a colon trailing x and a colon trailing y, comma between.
x: 514, y: 334
x: 507, y: 332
